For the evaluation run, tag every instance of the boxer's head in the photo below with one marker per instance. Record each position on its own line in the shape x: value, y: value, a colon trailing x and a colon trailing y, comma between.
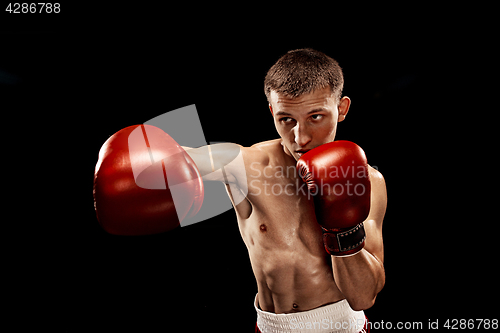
x: 304, y: 90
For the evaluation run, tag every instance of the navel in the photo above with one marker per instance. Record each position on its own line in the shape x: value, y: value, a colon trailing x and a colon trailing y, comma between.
x: 295, y: 305
x: 263, y: 228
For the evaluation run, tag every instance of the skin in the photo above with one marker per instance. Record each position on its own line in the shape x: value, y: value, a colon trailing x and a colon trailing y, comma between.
x: 277, y: 221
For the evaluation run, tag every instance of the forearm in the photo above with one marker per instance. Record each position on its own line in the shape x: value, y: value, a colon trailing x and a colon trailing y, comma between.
x: 359, y: 277
x: 202, y: 157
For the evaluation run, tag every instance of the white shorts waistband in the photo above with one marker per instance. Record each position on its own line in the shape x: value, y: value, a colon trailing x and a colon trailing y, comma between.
x: 338, y: 317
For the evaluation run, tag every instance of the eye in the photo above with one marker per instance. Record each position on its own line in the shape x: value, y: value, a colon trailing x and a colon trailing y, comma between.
x: 317, y: 116
x: 286, y: 120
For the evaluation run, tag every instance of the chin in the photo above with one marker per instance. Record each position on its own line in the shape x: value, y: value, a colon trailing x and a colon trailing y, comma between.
x: 297, y: 156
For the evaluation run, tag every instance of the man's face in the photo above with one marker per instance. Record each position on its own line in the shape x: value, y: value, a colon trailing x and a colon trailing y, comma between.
x: 307, y: 121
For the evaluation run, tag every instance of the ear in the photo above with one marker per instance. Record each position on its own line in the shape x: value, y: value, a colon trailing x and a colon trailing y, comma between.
x: 344, y: 104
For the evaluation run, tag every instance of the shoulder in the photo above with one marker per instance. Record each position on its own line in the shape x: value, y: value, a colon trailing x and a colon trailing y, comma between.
x: 241, y: 162
x: 262, y: 152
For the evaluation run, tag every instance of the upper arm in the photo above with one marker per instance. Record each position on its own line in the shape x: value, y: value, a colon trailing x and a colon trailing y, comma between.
x: 228, y: 163
x: 217, y: 162
x: 373, y: 223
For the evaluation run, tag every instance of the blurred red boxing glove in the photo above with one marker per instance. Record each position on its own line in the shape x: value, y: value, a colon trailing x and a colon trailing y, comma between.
x: 145, y: 183
x: 337, y: 174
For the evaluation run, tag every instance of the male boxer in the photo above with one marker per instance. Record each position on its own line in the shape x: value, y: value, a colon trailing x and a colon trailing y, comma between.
x: 311, y: 217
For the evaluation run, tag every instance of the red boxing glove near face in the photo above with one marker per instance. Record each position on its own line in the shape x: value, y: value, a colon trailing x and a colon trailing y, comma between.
x: 336, y: 173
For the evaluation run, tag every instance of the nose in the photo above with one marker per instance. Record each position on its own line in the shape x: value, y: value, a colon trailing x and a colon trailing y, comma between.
x: 302, y: 135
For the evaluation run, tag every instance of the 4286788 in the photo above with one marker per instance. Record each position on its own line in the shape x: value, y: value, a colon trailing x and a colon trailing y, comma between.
x: 33, y: 8
x: 461, y: 324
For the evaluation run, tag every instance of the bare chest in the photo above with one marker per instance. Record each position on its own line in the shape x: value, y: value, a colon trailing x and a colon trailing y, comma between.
x: 282, y: 215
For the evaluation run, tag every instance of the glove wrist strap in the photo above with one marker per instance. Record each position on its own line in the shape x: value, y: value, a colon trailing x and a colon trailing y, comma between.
x: 344, y: 242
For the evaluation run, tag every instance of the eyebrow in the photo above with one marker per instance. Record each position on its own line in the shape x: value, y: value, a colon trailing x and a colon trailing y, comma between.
x: 283, y: 113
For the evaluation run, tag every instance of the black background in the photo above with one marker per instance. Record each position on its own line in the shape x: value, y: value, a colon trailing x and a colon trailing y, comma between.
x: 70, y: 81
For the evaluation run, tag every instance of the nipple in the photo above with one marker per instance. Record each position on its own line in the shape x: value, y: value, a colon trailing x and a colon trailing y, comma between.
x: 263, y: 228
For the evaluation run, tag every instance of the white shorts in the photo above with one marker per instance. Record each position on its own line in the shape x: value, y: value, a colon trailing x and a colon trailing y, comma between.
x: 333, y: 318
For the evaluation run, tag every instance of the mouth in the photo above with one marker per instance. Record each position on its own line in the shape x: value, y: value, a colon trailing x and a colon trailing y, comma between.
x: 301, y: 152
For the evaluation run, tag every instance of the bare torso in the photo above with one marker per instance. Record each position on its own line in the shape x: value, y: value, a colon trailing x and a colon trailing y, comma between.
x: 278, y: 225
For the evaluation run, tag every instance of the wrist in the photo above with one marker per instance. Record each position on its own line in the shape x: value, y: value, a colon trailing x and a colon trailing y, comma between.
x: 345, y: 241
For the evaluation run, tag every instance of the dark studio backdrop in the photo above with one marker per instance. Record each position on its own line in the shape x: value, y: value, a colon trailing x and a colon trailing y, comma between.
x: 67, y: 84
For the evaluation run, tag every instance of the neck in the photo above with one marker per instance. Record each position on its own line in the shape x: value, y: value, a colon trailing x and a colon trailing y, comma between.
x: 286, y: 151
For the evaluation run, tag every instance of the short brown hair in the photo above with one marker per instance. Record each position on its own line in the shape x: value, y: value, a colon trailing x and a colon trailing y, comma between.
x: 303, y: 71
